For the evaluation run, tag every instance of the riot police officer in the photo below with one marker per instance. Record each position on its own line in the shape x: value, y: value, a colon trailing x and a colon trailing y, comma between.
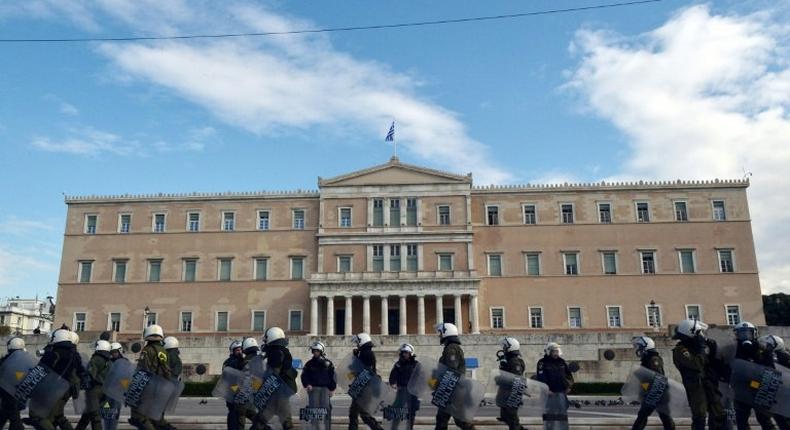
x: 98, y: 367
x: 280, y: 361
x: 645, y: 349
x: 773, y: 347
x: 9, y: 408
x: 173, y: 357
x: 111, y: 409
x: 453, y: 358
x: 553, y: 371
x: 153, y: 359
x: 236, y: 418
x: 510, y: 361
x: 364, y: 352
x: 695, y: 358
x: 400, y: 375
x: 747, y: 348
x: 319, y: 372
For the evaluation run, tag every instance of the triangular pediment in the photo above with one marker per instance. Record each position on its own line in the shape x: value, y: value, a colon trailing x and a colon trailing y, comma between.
x: 395, y: 173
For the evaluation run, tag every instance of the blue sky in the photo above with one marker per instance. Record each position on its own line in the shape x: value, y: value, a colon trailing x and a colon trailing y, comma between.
x: 674, y: 89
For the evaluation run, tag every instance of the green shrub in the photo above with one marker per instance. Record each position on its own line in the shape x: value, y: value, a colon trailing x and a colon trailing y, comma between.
x: 198, y: 389
x: 597, y: 388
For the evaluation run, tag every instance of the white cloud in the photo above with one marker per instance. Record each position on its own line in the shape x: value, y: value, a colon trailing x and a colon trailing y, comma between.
x: 702, y: 96
x: 15, y: 267
x: 86, y: 141
x: 68, y: 109
x: 20, y: 226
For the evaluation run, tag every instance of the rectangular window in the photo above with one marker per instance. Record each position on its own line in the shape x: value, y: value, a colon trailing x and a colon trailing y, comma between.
x: 567, y: 213
x: 258, y: 321
x: 497, y: 317
x: 261, y: 269
x: 733, y: 314
x: 494, y: 265
x: 298, y: 215
x: 605, y: 213
x: 222, y: 321
x: 263, y: 220
x: 444, y: 215
x: 686, y: 257
x: 90, y: 223
x: 193, y: 221
x: 726, y: 261
x: 297, y: 267
x: 394, y: 258
x: 345, y: 217
x: 681, y: 212
x: 86, y: 267
x: 154, y: 270
x: 228, y: 221
x: 344, y: 263
x: 79, y: 321
x: 530, y: 214
x: 224, y: 269
x: 614, y: 316
x: 378, y: 212
x: 693, y: 312
x: 642, y: 212
x: 115, y: 322
x: 533, y: 264
x: 411, y: 257
x: 125, y: 223
x: 150, y: 319
x: 190, y: 270
x: 609, y: 262
x: 719, y: 214
x: 536, y: 317
x: 120, y: 271
x: 295, y: 320
x: 648, y: 259
x: 653, y: 315
x: 411, y: 212
x: 159, y: 223
x: 445, y: 262
x: 186, y: 321
x: 571, y: 261
x: 492, y: 215
x: 575, y: 317
x: 394, y: 213
x: 378, y: 258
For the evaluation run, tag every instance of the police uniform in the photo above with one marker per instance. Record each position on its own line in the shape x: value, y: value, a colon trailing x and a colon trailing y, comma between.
x: 453, y: 358
x: 652, y: 360
x: 751, y: 351
x: 236, y: 419
x: 555, y: 373
x: 153, y: 359
x: 98, y: 367
x: 280, y: 361
x: 399, y: 376
x: 366, y: 355
x: 697, y: 371
x: 9, y: 407
x: 511, y: 363
x: 111, y: 405
x: 63, y: 359
x: 319, y: 372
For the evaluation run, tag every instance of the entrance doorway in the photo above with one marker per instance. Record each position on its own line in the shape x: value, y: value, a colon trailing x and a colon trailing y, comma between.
x: 340, y: 321
x: 449, y: 315
x: 393, y: 321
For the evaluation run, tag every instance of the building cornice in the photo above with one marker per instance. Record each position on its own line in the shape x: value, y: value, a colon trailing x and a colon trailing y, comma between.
x: 678, y: 184
x: 186, y: 197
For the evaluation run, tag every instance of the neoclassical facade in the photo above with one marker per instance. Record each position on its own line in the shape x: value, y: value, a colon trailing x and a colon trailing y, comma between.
x: 396, y: 248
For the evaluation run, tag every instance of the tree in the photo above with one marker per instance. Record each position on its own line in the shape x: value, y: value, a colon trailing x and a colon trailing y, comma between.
x: 777, y: 309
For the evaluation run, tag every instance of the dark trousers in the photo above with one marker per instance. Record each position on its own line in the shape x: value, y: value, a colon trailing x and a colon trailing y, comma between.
x: 355, y: 412
x: 646, y: 411
x: 443, y: 419
x: 744, y: 410
x: 509, y: 416
x: 705, y: 402
x: 782, y: 422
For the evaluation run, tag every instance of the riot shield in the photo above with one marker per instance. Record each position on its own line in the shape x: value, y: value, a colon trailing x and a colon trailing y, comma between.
x: 513, y: 391
x: 117, y: 381
x: 363, y: 385
x: 172, y: 403
x: 728, y: 404
x: 79, y: 404
x: 400, y: 413
x: 150, y: 394
x: 656, y: 391
x: 269, y: 393
x: 43, y: 388
x: 725, y: 345
x: 14, y: 369
x: 317, y: 414
x: 449, y: 390
x: 110, y: 410
x: 231, y: 386
x: 555, y: 412
x: 761, y: 387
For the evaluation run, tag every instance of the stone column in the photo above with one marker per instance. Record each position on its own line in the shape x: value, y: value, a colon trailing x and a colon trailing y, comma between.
x: 439, y: 310
x: 459, y: 319
x: 475, y: 316
x: 420, y: 314
x: 366, y: 314
x: 349, y: 319
x: 402, y: 315
x: 313, y: 316
x: 330, y: 316
x: 385, y: 327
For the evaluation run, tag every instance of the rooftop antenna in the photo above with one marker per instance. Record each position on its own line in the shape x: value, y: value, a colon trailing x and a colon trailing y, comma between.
x: 746, y: 175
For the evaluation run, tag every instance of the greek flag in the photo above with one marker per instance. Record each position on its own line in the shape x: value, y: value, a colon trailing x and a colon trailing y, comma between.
x: 391, y: 134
